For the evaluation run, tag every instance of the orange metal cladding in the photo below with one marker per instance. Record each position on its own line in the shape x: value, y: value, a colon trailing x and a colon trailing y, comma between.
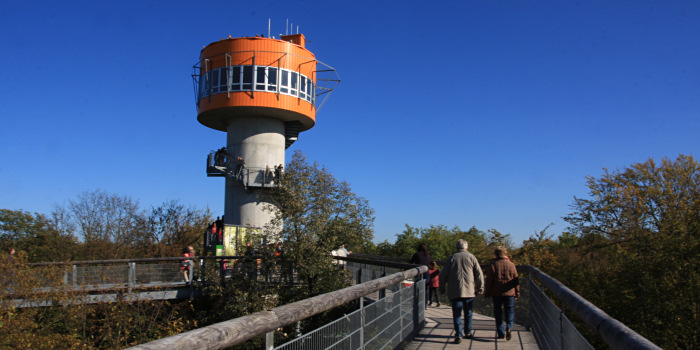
x: 216, y: 110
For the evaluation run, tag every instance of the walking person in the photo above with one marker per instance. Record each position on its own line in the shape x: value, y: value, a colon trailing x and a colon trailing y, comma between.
x: 503, y: 285
x: 421, y: 257
x: 463, y: 279
x: 434, y: 283
x: 186, y: 265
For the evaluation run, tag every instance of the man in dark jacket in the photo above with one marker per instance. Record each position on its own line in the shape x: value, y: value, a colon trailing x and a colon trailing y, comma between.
x: 422, y: 257
x: 502, y: 284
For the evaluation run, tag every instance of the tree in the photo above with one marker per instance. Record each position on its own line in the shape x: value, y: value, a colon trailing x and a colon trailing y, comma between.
x: 407, y: 242
x: 108, y: 224
x: 440, y: 241
x: 316, y: 213
x: 172, y: 226
x: 114, y: 227
x: 640, y: 228
x: 495, y: 238
x: 35, y: 236
x: 537, y: 251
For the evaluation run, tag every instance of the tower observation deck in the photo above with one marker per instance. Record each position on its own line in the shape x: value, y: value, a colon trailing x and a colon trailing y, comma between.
x: 262, y: 92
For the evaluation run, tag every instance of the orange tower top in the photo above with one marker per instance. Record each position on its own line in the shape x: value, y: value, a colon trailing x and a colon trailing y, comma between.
x: 256, y: 76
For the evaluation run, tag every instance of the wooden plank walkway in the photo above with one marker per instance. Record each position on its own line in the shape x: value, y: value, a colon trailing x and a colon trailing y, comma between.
x: 438, y: 333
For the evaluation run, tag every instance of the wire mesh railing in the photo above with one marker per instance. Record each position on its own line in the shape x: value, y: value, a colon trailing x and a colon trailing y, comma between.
x: 390, y: 312
x: 552, y: 329
x: 390, y: 317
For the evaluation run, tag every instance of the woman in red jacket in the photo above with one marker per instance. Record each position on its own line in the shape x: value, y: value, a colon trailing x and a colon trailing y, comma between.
x: 185, y: 265
x: 503, y: 285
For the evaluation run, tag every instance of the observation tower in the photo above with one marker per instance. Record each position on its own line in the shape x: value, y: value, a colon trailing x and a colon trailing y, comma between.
x: 262, y: 92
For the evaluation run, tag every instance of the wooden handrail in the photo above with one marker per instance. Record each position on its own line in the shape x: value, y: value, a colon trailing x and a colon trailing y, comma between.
x: 232, y: 332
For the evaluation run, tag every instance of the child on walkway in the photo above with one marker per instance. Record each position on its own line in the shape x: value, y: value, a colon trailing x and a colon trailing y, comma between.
x: 434, y: 282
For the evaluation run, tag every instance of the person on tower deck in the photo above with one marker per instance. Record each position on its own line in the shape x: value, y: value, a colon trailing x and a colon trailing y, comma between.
x: 464, y: 280
x: 422, y: 257
x: 219, y: 223
x: 240, y: 165
x: 215, y: 234
x: 503, y: 285
x: 220, y: 157
x: 279, y: 170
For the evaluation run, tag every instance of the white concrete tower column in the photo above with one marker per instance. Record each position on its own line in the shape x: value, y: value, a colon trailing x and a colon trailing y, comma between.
x: 260, y: 141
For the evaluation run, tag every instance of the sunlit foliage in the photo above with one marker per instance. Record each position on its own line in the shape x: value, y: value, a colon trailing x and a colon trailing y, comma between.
x: 638, y: 238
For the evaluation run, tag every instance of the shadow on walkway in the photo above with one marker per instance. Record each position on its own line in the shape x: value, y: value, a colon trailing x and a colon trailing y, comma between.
x: 438, y: 333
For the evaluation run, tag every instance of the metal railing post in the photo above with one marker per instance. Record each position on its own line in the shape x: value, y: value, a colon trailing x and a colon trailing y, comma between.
x: 382, y: 292
x: 201, y: 269
x: 362, y: 323
x: 359, y: 273
x: 132, y: 276
x: 561, y: 329
x: 401, y: 308
x: 530, y: 300
x: 270, y: 340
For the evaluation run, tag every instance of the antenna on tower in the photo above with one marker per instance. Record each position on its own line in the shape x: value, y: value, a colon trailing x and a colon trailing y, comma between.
x: 268, y: 27
x: 286, y: 26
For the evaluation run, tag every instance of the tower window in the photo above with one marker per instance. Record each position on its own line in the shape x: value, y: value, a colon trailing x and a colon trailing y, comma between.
x: 247, y: 77
x: 258, y: 78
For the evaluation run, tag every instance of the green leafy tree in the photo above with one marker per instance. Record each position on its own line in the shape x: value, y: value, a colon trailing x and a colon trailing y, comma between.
x: 538, y: 251
x: 440, y: 241
x: 384, y: 248
x: 315, y: 214
x: 35, y: 236
x: 640, y: 230
x: 407, y: 242
x: 494, y: 238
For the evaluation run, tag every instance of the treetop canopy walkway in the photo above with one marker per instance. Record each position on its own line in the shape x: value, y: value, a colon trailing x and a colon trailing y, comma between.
x: 389, y: 311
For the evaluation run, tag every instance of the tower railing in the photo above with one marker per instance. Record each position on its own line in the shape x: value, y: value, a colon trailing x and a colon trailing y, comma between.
x: 249, y: 176
x: 325, y: 79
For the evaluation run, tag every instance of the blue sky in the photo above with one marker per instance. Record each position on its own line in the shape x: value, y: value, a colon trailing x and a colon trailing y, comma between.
x: 467, y: 113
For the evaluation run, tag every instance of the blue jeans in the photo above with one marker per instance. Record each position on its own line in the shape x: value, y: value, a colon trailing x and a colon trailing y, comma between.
x: 506, y: 303
x: 460, y: 305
